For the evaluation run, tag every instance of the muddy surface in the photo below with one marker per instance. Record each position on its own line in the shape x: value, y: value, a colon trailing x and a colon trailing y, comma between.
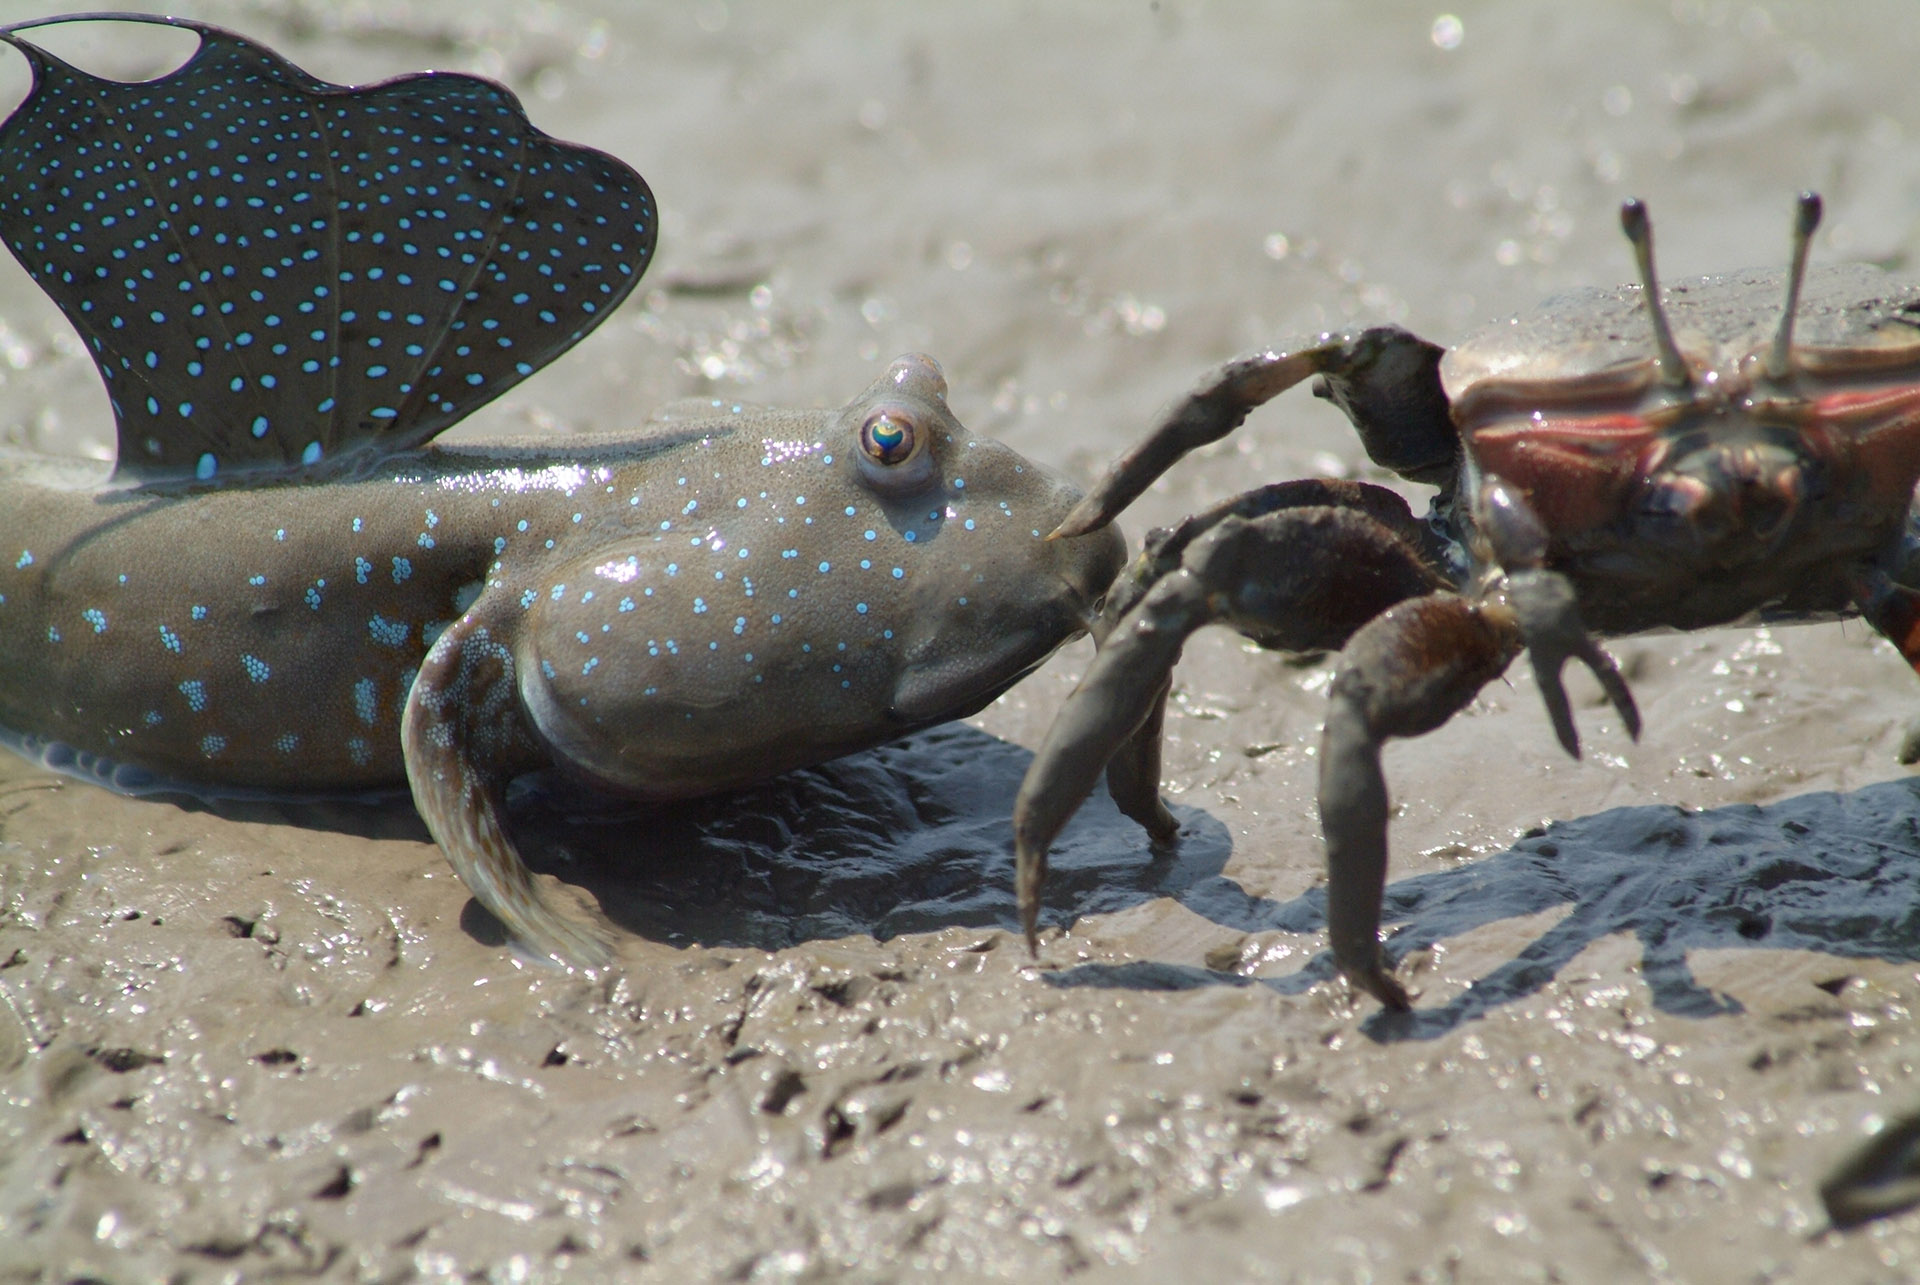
x: 1662, y: 990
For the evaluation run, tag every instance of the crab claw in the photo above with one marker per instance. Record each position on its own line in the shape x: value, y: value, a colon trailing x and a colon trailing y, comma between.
x: 1385, y: 379
x: 1220, y: 405
x: 1550, y: 621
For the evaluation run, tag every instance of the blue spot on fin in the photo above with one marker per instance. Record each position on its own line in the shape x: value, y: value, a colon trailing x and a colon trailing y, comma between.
x: 384, y: 315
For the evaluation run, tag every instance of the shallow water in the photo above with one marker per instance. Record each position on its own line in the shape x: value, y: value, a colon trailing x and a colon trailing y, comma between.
x: 1663, y: 990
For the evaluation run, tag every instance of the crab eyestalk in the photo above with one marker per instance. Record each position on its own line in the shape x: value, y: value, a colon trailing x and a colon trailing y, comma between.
x: 1639, y: 230
x: 1806, y: 218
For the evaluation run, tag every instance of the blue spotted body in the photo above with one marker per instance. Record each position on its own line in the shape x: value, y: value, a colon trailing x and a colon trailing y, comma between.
x: 289, y: 288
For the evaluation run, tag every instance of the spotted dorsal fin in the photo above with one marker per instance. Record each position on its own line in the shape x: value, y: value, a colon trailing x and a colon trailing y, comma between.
x: 275, y: 274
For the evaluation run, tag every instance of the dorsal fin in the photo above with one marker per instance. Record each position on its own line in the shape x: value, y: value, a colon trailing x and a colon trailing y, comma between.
x: 277, y: 274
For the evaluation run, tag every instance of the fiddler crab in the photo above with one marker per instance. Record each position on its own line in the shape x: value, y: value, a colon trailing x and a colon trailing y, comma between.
x: 1754, y: 465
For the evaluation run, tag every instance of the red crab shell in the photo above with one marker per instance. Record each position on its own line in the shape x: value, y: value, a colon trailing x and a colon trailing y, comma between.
x: 1569, y: 407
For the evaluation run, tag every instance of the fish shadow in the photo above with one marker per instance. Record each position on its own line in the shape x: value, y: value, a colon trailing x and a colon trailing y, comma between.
x: 1837, y: 873
x: 915, y: 836
x: 376, y: 815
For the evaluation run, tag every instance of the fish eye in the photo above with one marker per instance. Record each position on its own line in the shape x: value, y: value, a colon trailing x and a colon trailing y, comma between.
x: 896, y: 456
x: 889, y: 438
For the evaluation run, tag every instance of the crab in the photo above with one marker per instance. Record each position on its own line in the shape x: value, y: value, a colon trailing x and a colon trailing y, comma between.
x: 1616, y: 462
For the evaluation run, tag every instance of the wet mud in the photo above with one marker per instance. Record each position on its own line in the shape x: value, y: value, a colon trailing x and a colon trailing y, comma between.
x: 1662, y: 991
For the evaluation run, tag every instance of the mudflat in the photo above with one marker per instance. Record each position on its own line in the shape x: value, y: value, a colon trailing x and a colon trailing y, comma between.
x: 1662, y: 990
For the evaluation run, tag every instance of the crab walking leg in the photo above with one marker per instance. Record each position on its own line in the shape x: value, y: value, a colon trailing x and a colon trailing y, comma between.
x: 1133, y: 773
x: 1386, y: 379
x: 1893, y: 609
x: 1122, y: 691
x: 1876, y: 1180
x: 463, y: 739
x: 1298, y: 579
x: 1404, y: 674
x: 1389, y: 508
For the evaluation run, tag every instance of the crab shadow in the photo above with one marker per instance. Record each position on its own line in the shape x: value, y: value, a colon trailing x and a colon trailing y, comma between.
x: 916, y: 837
x: 1828, y: 872
x: 913, y: 837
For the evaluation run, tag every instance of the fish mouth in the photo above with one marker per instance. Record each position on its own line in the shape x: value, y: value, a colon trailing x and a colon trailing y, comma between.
x: 957, y: 683
x: 946, y: 684
x: 950, y: 687
x: 1090, y: 565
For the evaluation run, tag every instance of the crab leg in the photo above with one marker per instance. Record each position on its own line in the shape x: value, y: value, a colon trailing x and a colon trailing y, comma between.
x: 1386, y: 380
x: 1893, y: 609
x: 1133, y: 773
x: 1123, y: 690
x: 1298, y: 579
x: 1389, y: 508
x: 1404, y: 674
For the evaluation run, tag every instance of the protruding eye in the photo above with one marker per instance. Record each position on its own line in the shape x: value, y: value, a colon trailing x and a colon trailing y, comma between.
x: 896, y: 450
x: 889, y: 438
